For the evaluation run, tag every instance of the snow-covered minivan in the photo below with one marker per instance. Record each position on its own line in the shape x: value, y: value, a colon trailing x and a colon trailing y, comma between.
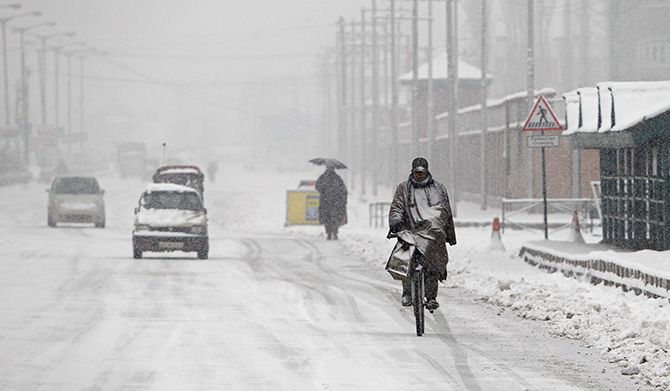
x: 170, y: 217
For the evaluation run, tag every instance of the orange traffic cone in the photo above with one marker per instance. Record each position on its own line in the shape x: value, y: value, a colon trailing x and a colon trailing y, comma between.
x: 575, y: 234
x: 496, y: 241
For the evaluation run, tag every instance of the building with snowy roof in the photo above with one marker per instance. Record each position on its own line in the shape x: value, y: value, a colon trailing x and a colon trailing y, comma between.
x: 469, y: 82
x: 629, y: 124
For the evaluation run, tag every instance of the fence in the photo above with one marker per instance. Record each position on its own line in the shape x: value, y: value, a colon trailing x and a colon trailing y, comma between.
x: 514, y: 208
x: 379, y: 212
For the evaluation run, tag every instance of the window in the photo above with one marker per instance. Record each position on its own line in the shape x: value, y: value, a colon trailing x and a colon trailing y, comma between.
x: 172, y: 200
x: 654, y: 161
x: 76, y: 185
x: 655, y: 53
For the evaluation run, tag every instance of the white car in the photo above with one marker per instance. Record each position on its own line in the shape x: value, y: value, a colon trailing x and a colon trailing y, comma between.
x: 170, y: 217
x: 75, y: 199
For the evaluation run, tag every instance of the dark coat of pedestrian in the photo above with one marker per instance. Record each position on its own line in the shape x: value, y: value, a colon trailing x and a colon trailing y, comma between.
x: 332, y: 202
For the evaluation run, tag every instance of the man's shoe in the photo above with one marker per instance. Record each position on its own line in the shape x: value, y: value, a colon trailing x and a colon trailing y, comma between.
x: 406, y: 300
x: 334, y: 236
x: 432, y: 305
x: 328, y: 236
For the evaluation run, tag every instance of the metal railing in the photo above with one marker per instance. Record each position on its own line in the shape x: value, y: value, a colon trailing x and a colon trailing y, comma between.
x: 379, y: 212
x: 513, y: 208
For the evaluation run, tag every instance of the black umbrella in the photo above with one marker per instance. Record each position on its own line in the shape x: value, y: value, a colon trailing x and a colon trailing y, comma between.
x: 328, y: 162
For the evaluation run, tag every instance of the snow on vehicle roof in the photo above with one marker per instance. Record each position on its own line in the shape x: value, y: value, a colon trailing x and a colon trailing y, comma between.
x: 169, y: 187
x: 180, y: 171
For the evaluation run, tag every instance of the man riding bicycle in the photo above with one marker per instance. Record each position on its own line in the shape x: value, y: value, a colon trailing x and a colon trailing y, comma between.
x: 421, y: 205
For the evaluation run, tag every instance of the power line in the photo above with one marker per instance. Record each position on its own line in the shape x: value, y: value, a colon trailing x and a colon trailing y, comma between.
x: 217, y: 57
x: 203, y: 84
x: 179, y: 91
x: 219, y: 37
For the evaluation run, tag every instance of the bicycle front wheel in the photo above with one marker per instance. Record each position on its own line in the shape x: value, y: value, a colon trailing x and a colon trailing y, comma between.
x: 418, y: 295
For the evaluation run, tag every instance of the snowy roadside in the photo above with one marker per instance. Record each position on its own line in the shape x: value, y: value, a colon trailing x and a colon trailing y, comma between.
x: 631, y: 331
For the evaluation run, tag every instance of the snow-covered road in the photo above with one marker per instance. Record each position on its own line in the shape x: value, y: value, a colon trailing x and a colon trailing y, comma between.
x: 273, y: 309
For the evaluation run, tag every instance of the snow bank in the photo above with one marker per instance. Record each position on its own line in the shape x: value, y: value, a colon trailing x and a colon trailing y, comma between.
x: 629, y: 331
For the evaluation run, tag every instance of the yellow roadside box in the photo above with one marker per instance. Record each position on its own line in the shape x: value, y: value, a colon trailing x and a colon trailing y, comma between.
x: 302, y: 206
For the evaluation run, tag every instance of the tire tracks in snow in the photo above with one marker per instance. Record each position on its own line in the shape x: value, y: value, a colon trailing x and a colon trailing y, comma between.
x: 255, y: 256
x: 439, y: 322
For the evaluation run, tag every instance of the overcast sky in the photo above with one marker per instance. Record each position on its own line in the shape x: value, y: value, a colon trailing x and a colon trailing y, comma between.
x: 227, y: 58
x: 234, y: 34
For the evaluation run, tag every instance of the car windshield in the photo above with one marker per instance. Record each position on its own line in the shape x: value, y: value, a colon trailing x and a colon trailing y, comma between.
x: 172, y: 200
x: 184, y: 179
x: 76, y: 185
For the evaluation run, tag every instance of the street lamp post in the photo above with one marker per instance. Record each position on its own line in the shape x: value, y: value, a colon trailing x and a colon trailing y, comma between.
x: 4, y: 21
x: 42, y: 68
x: 57, y: 50
x: 23, y: 102
x: 83, y: 56
x: 3, y: 25
x: 69, y: 54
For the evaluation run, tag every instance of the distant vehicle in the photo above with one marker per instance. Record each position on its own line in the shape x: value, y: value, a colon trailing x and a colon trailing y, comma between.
x: 182, y: 174
x: 131, y: 159
x: 170, y: 217
x: 75, y: 199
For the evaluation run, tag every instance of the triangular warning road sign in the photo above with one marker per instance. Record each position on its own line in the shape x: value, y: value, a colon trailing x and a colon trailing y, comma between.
x: 542, y: 117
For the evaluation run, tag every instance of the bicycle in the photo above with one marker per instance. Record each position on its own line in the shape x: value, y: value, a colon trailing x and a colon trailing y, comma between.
x: 413, y: 270
x: 418, y: 296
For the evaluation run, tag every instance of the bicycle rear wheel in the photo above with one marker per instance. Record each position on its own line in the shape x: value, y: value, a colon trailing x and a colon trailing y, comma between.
x: 417, y: 301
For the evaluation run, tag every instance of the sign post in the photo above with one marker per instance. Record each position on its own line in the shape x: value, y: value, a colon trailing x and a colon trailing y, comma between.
x: 541, y: 118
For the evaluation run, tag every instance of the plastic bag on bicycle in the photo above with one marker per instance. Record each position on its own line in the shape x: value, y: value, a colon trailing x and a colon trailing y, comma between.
x: 399, y: 260
x: 429, y: 244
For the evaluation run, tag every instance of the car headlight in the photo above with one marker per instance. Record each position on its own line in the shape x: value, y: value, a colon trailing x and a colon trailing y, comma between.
x: 198, y: 229
x: 142, y: 227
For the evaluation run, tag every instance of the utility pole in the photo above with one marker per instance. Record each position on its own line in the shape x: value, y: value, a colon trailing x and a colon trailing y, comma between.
x: 394, y: 97
x: 42, y: 70
x: 530, y: 87
x: 585, y: 43
x: 327, y: 104
x: 374, y: 147
x: 430, y: 106
x: 341, y: 89
x: 81, y: 94
x: 362, y: 168
x: 452, y: 99
x: 3, y: 21
x: 567, y: 65
x: 569, y: 83
x: 23, y: 100
x: 352, y: 104
x: 56, y: 87
x: 415, y: 78
x: 483, y: 150
x: 69, y: 93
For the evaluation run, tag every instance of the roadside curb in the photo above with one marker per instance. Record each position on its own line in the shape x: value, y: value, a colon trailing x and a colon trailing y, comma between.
x: 597, y: 269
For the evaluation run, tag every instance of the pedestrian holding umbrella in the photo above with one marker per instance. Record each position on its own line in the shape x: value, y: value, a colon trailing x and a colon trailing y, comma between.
x: 328, y: 162
x: 333, y: 196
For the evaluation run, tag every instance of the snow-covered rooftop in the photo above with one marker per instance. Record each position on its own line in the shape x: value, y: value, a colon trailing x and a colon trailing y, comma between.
x: 465, y: 70
x: 621, y: 105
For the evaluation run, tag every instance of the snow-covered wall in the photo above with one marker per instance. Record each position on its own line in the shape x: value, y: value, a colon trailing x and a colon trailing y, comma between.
x: 652, y: 279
